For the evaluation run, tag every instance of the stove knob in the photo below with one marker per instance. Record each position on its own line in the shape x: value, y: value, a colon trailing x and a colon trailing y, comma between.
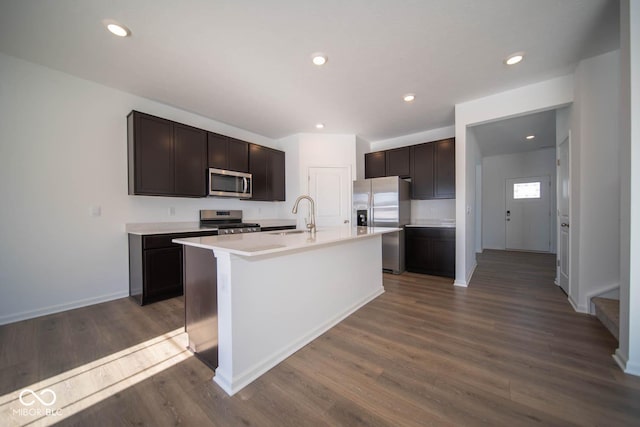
x: 231, y: 231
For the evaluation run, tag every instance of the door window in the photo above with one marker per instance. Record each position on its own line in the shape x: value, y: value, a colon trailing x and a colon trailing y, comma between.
x: 526, y: 190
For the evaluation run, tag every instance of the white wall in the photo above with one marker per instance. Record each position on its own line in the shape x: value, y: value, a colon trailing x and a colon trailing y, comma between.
x: 473, y: 161
x: 527, y: 99
x: 496, y: 170
x: 478, y: 208
x: 563, y: 124
x: 595, y: 181
x: 316, y: 150
x: 414, y: 138
x: 628, y: 353
x: 362, y: 146
x: 63, y: 150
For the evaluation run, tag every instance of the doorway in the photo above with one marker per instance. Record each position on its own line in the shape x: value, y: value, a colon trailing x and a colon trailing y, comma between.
x: 330, y: 187
x: 528, y: 214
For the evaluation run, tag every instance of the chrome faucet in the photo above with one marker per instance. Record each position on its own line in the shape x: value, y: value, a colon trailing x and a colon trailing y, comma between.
x: 311, y: 224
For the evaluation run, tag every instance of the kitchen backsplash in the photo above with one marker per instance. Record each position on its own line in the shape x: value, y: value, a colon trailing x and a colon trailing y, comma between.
x: 433, y: 209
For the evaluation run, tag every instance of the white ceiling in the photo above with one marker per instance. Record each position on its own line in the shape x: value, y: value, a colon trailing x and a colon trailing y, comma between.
x: 247, y: 63
x: 509, y: 136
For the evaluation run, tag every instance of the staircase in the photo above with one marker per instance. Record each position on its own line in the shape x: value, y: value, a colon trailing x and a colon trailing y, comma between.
x: 608, y: 312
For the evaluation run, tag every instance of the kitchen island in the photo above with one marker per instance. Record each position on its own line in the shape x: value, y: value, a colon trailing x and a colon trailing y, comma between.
x: 277, y: 291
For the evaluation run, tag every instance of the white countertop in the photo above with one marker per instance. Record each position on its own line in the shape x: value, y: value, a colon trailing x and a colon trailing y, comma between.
x: 147, y: 228
x: 273, y: 242
x: 436, y: 223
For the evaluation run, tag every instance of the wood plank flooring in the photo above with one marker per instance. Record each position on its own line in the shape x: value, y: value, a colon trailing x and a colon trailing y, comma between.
x: 507, y: 351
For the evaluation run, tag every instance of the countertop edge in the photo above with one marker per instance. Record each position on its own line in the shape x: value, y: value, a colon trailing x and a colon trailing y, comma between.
x: 295, y: 247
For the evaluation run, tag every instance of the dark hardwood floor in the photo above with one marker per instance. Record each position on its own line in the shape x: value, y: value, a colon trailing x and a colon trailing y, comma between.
x: 507, y: 351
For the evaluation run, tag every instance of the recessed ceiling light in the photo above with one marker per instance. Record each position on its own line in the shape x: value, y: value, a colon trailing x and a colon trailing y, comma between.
x: 320, y: 126
x: 117, y: 28
x: 319, y: 58
x: 513, y: 59
x: 530, y: 136
x: 409, y: 97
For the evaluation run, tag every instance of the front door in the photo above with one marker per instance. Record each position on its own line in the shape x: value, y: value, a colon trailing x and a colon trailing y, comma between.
x: 330, y: 187
x: 563, y: 215
x: 527, y: 214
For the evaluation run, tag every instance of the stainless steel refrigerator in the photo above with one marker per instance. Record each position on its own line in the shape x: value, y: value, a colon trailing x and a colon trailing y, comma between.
x: 384, y: 202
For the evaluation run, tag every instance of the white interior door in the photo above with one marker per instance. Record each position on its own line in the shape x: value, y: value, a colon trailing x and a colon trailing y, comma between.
x: 330, y: 187
x: 563, y: 215
x: 528, y: 214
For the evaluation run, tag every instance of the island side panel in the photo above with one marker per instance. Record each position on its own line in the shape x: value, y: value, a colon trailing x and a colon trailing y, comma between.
x: 271, y: 306
x: 200, y: 300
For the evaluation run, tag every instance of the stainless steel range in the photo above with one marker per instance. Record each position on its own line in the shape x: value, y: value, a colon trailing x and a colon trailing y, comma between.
x: 226, y: 222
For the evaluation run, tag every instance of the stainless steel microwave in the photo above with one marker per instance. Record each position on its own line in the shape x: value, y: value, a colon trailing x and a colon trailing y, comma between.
x: 224, y: 183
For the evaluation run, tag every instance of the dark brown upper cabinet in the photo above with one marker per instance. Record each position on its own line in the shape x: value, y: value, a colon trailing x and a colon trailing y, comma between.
x: 227, y: 153
x: 433, y: 170
x: 375, y: 164
x: 422, y: 168
x: 398, y: 162
x: 165, y: 158
x: 267, y: 168
x: 445, y: 169
x: 190, y: 161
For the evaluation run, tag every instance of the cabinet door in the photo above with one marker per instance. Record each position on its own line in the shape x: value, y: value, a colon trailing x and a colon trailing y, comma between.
x: 162, y: 273
x: 238, y: 155
x: 152, y: 146
x: 258, y: 160
x: 430, y: 251
x: 398, y: 162
x: 445, y: 169
x: 217, y: 151
x: 374, y: 164
x: 190, y: 161
x: 277, y: 175
x: 416, y: 256
x: 422, y: 158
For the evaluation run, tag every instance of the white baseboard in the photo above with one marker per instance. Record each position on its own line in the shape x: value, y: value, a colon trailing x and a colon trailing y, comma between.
x: 466, y: 282
x: 577, y: 307
x: 30, y: 314
x: 627, y: 366
x: 620, y: 359
x: 233, y: 385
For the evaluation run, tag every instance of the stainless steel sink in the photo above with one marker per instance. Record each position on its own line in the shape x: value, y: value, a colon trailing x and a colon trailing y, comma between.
x: 286, y: 232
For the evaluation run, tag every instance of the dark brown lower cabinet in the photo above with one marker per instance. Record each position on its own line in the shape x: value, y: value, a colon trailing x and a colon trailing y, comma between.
x: 431, y: 250
x: 155, y: 266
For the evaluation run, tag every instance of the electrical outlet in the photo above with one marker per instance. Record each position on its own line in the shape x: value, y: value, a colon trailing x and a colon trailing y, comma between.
x: 172, y: 211
x: 95, y: 211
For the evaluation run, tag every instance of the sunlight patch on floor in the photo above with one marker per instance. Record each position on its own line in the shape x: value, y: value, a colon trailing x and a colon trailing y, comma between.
x: 49, y: 401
